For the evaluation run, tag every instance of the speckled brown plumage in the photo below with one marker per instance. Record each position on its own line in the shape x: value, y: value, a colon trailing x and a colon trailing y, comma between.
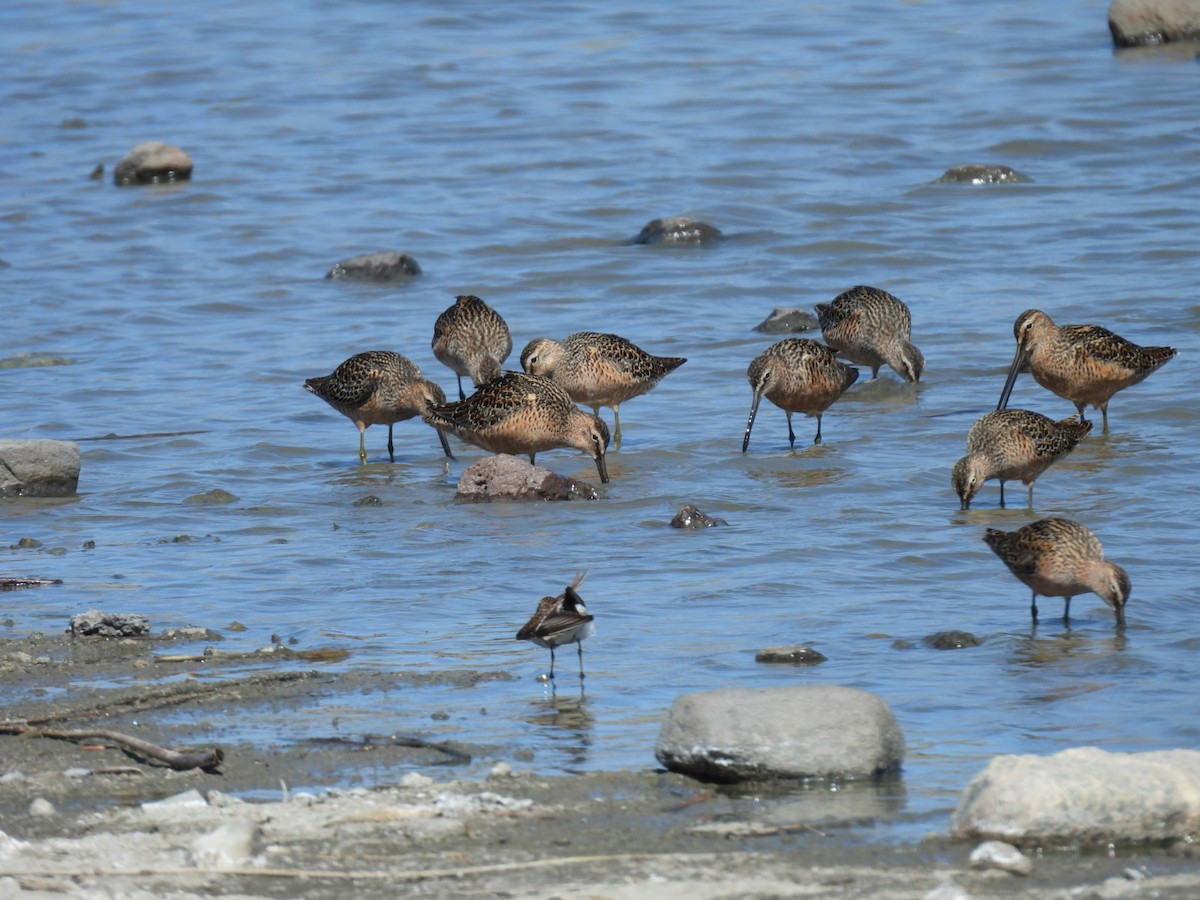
x: 523, y: 414
x: 560, y: 620
x: 378, y: 387
x: 1013, y: 443
x: 1061, y: 558
x: 870, y: 327
x: 1085, y: 364
x: 598, y: 369
x: 472, y: 339
x: 797, y: 375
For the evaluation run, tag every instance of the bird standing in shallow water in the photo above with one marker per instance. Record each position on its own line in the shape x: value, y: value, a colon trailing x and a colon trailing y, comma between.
x: 870, y: 327
x: 560, y: 620
x: 1061, y: 558
x: 523, y: 415
x: 1013, y: 443
x: 378, y: 387
x: 1081, y: 363
x: 797, y: 375
x: 598, y: 369
x: 472, y: 339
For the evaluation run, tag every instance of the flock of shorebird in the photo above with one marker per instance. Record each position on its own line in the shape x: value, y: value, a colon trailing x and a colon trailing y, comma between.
x: 524, y: 413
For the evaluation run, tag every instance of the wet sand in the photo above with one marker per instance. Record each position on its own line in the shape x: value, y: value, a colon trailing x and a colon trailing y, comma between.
x: 86, y: 818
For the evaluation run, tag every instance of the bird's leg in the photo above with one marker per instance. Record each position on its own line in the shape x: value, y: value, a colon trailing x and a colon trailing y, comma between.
x: 1079, y: 407
x: 1066, y: 610
x: 391, y: 446
x: 532, y: 462
x: 1033, y: 607
x: 362, y: 446
x: 817, y: 439
x: 616, y: 427
x: 791, y: 434
x: 1031, y: 495
x: 461, y: 395
x: 1104, y: 415
x: 580, y: 646
x: 1002, y: 503
x: 551, y: 663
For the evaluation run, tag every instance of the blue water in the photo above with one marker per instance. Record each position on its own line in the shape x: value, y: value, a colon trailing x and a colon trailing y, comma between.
x: 514, y: 153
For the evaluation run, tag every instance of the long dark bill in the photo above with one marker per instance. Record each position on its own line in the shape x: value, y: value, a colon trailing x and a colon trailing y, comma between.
x: 602, y: 468
x: 1018, y: 364
x: 750, y: 421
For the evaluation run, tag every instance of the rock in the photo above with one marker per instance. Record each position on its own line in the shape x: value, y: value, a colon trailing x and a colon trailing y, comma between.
x: 951, y: 640
x: 691, y: 517
x: 677, y: 230
x: 798, y: 655
x: 151, y: 163
x: 215, y: 497
x: 228, y: 846
x: 806, y: 731
x: 41, y: 807
x: 39, y: 468
x: 387, y: 265
x: 976, y: 174
x: 999, y: 855
x: 167, y: 805
x: 1083, y: 795
x: 505, y: 477
x: 1138, y: 23
x: 788, y: 320
x: 95, y: 622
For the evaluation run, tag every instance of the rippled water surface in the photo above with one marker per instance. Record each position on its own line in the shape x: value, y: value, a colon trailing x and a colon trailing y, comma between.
x: 514, y: 153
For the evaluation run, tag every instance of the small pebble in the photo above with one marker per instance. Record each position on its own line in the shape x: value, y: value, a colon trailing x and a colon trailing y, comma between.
x: 41, y: 807
x: 501, y: 769
x: 999, y: 855
x: 414, y: 780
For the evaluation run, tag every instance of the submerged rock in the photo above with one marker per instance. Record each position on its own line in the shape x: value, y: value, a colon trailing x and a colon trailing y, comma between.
x: 798, y: 655
x: 787, y: 320
x: 39, y: 468
x: 102, y: 624
x: 152, y: 163
x: 677, y: 230
x: 505, y: 477
x: 977, y: 174
x: 1083, y: 795
x: 806, y: 731
x: 386, y: 265
x: 691, y: 517
x: 999, y: 855
x: 1138, y: 23
x: 951, y: 640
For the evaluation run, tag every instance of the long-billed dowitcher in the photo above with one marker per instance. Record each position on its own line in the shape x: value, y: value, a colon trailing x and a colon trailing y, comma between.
x: 560, y: 620
x: 1013, y: 443
x: 472, y: 339
x: 378, y: 387
x: 1061, y: 558
x: 1085, y: 364
x: 523, y: 414
x: 598, y: 369
x: 797, y: 375
x: 870, y: 327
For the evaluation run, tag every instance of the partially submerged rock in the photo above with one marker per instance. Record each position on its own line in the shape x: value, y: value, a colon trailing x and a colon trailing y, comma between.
x: 951, y: 640
x: 796, y: 655
x: 690, y: 516
x: 1002, y: 856
x: 102, y: 624
x: 677, y: 230
x: 1083, y: 795
x: 806, y: 731
x: 505, y: 477
x: 977, y: 174
x: 152, y: 163
x: 39, y: 468
x: 1138, y: 23
x: 386, y: 265
x: 787, y: 320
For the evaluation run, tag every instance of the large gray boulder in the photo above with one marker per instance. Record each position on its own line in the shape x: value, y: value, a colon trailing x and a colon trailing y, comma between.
x: 39, y: 468
x: 1137, y: 23
x: 505, y: 477
x: 805, y: 731
x: 1083, y: 795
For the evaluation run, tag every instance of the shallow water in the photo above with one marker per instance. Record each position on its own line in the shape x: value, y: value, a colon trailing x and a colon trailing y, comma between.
x: 514, y: 154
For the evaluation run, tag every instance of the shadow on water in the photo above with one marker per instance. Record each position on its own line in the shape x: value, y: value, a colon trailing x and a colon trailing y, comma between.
x: 565, y: 721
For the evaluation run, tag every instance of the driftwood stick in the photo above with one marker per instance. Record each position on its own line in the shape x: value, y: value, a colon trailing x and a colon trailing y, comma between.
x: 207, y: 760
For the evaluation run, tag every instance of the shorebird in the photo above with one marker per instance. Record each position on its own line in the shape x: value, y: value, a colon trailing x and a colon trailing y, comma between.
x: 472, y: 339
x: 1061, y: 558
x: 598, y: 369
x: 1081, y: 363
x: 870, y: 327
x: 378, y: 387
x: 523, y: 415
x: 1013, y: 443
x: 797, y: 375
x: 560, y: 620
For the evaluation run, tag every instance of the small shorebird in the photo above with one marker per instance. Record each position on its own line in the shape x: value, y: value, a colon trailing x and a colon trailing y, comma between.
x: 598, y: 369
x: 870, y: 327
x: 1081, y: 363
x: 797, y: 375
x: 523, y: 415
x: 1013, y: 443
x: 560, y: 620
x: 1061, y: 558
x: 472, y: 339
x: 378, y: 387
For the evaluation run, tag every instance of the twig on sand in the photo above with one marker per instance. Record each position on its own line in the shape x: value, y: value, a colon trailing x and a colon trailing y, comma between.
x: 207, y: 760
